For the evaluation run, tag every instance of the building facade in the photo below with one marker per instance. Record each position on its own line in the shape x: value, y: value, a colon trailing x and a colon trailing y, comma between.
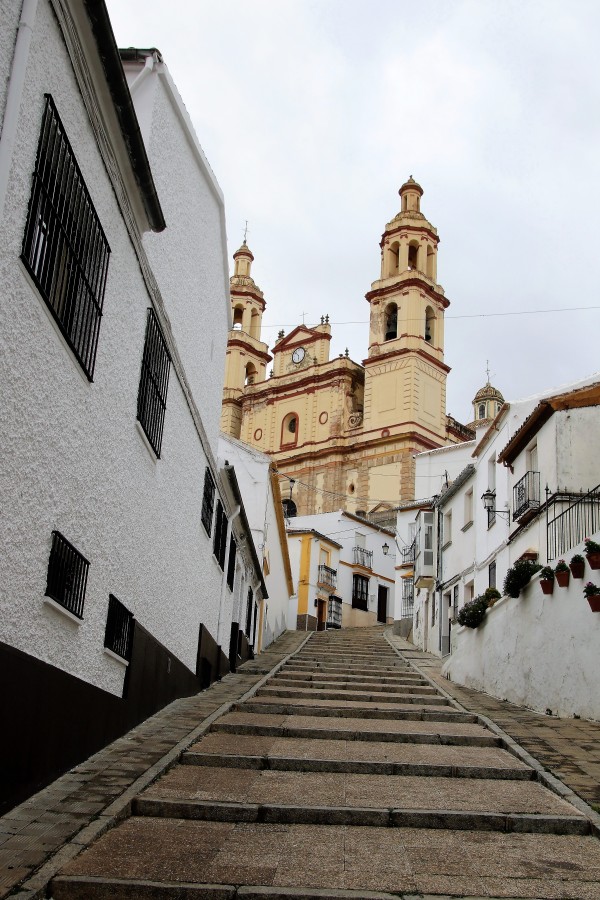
x: 345, y: 433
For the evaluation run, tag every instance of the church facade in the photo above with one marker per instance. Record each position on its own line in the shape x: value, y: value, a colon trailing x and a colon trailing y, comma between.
x: 343, y: 434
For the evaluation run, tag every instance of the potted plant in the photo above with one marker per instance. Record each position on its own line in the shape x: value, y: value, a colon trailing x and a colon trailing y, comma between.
x: 592, y: 551
x: 547, y: 579
x: 592, y: 592
x: 519, y: 575
x: 473, y: 612
x: 562, y: 573
x: 577, y: 565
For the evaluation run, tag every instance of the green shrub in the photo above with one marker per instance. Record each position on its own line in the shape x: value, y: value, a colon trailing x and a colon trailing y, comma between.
x: 472, y: 613
x: 491, y: 594
x: 519, y: 575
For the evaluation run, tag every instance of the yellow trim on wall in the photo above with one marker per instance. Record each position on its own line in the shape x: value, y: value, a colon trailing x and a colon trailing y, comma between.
x: 303, y: 581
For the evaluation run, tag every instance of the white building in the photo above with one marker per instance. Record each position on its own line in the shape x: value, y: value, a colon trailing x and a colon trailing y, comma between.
x: 342, y: 556
x: 259, y: 487
x: 115, y: 517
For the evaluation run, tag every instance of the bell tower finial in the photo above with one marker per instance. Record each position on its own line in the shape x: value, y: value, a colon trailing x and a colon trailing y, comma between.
x: 246, y: 231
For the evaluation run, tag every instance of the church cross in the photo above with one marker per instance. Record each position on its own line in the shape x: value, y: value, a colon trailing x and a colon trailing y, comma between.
x: 246, y: 231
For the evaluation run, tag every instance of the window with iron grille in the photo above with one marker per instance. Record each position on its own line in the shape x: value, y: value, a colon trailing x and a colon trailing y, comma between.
x: 220, y: 538
x: 154, y: 381
x: 250, y: 602
x: 492, y: 574
x: 64, y: 247
x: 360, y: 592
x: 118, y: 636
x: 231, y: 562
x: 208, y: 501
x: 67, y: 575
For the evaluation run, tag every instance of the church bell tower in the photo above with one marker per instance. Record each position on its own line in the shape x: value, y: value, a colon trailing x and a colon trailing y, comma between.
x: 405, y: 373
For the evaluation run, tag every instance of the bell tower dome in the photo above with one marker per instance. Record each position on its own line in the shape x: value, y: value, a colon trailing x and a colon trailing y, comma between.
x: 247, y: 356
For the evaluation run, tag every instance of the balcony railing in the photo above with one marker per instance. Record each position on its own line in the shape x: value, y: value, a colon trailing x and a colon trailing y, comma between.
x: 579, y: 520
x: 334, y: 613
x: 408, y: 596
x: 408, y: 553
x: 363, y: 557
x: 327, y: 577
x: 526, y: 495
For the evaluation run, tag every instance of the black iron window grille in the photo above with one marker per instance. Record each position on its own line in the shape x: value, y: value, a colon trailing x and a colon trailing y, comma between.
x: 327, y: 576
x: 407, y: 597
x: 526, y: 494
x: 492, y: 574
x: 208, y: 501
x: 154, y: 382
x: 231, y: 563
x: 250, y: 602
x: 334, y: 612
x: 64, y: 247
x: 360, y: 592
x: 67, y: 575
x: 362, y: 557
x: 118, y: 636
x: 409, y: 553
x: 220, y: 538
x: 570, y: 526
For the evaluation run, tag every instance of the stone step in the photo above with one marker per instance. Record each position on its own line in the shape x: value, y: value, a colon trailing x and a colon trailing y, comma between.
x: 342, y: 674
x: 354, y: 767
x: 352, y: 708
x: 317, y: 683
x: 374, y: 670
x: 158, y: 858
x: 364, y: 696
x: 473, y: 760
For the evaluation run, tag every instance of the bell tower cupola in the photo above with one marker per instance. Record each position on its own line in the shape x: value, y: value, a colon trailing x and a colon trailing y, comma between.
x: 247, y: 356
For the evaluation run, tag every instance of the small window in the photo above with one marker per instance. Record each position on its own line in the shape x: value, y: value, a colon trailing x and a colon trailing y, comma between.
x: 289, y: 430
x: 492, y: 574
x: 391, y: 322
x: 118, y: 636
x: 208, y: 501
x: 251, y: 374
x: 64, y: 247
x: 238, y: 314
x: 289, y: 509
x: 468, y: 507
x: 250, y: 604
x: 360, y: 592
x: 154, y: 382
x: 413, y: 255
x: 220, y: 538
x: 231, y: 563
x: 429, y: 325
x: 67, y: 575
x: 481, y: 413
x: 447, y: 527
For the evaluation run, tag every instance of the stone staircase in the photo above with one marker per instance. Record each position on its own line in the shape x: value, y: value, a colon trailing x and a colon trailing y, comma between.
x: 347, y: 775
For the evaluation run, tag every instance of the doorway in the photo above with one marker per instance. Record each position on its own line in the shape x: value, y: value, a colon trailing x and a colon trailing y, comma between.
x: 382, y: 602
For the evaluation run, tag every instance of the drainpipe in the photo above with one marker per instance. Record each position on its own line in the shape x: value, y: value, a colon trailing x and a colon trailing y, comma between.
x: 14, y: 94
x: 148, y: 67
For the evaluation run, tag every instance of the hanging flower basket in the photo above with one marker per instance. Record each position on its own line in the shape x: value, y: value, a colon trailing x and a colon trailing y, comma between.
x: 547, y: 585
x: 592, y: 594
x: 577, y: 565
x: 562, y: 573
x: 594, y: 560
x: 592, y: 552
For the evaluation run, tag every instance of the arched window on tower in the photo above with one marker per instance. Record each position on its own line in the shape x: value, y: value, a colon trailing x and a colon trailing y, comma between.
x: 289, y: 509
x: 413, y: 254
x: 255, y: 325
x: 481, y: 414
x: 430, y: 259
x: 251, y: 373
x: 391, y: 322
x: 238, y: 313
x: 393, y: 257
x: 289, y: 430
x: 429, y: 325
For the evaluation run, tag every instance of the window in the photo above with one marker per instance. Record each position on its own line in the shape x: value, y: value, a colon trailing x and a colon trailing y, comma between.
x: 492, y: 574
x: 413, y: 255
x: 289, y: 430
x: 64, y: 247
x: 469, y: 507
x: 360, y: 592
x: 289, y: 509
x: 429, y: 324
x: 455, y: 601
x: 447, y: 528
x: 154, y: 381
x: 481, y: 413
x: 391, y: 322
x: 231, y: 563
x: 249, y: 612
x: 208, y: 501
x: 118, y: 636
x: 67, y: 575
x: 220, y: 538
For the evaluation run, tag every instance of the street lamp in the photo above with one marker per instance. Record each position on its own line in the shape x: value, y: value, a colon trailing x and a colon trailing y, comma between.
x: 489, y: 498
x: 386, y: 548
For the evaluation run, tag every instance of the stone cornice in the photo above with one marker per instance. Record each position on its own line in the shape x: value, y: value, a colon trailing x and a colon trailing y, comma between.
x: 413, y: 281
x: 383, y: 357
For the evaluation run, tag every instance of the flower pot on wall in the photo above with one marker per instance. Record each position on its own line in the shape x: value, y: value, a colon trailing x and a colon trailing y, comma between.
x: 577, y: 569
x: 594, y: 559
x: 547, y: 585
x: 562, y: 577
x: 594, y: 601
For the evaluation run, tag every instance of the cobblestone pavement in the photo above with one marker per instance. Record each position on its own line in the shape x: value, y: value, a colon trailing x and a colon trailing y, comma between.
x: 41, y: 834
x: 357, y: 744
x: 569, y: 748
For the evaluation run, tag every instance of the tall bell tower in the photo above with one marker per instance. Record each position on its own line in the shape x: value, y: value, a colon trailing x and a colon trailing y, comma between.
x: 247, y: 356
x: 405, y: 373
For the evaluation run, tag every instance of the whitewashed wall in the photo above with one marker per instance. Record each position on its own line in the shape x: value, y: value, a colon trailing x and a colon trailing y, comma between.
x: 537, y: 651
x: 73, y: 458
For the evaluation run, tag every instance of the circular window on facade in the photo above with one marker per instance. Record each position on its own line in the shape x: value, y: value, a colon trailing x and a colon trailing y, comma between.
x: 385, y: 432
x: 323, y: 417
x: 258, y: 434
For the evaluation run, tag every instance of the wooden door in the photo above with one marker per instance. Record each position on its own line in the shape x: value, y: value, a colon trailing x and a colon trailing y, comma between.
x: 382, y: 599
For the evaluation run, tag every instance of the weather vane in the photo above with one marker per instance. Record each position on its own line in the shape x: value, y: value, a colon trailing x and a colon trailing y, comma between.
x: 246, y: 231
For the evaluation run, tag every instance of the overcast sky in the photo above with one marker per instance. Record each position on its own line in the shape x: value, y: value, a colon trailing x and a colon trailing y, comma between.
x: 313, y: 112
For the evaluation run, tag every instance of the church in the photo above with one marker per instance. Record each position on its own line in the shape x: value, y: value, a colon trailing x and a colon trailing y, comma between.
x: 344, y: 434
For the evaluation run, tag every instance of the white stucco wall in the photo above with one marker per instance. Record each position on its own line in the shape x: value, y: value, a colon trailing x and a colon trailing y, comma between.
x: 537, y: 651
x: 8, y: 34
x: 73, y: 458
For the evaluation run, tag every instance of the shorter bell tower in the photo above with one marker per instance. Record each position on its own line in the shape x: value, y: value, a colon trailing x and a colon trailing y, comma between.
x: 247, y: 356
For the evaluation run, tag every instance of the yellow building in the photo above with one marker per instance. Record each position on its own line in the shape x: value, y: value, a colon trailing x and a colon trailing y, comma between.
x: 344, y: 434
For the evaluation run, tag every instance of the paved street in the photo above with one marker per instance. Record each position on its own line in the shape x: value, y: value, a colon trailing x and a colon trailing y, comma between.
x: 351, y: 772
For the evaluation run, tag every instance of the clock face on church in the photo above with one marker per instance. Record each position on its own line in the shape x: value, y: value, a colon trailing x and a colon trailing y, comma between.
x: 298, y: 355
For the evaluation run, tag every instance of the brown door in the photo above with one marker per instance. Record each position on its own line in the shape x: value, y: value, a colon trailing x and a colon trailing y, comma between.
x: 382, y: 598
x: 321, y: 614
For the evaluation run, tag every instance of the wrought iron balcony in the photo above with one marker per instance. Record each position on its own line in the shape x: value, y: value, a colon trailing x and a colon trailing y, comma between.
x: 408, y: 553
x: 363, y: 557
x: 526, y: 495
x: 334, y: 612
x: 327, y: 578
